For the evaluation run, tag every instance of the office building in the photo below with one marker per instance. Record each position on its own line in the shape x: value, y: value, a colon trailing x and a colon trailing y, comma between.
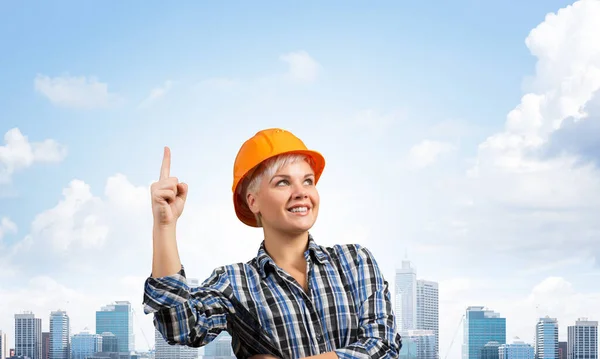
x: 418, y: 344
x: 490, y: 350
x: 60, y: 339
x: 3, y: 346
x: 582, y: 342
x: 562, y: 350
x: 164, y: 350
x: 45, y: 345
x: 85, y: 344
x: 28, y: 335
x: 546, y: 338
x: 406, y: 297
x: 117, y: 318
x: 481, y: 326
x: 219, y: 348
x: 516, y: 350
x: 428, y: 309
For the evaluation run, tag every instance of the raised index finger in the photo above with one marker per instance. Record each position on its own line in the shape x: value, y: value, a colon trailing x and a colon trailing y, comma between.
x: 165, y: 169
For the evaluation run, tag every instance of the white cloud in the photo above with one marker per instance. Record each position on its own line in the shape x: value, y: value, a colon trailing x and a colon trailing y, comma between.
x: 72, y: 220
x: 6, y: 226
x: 157, y: 93
x: 525, y: 201
x: 428, y: 152
x: 19, y: 153
x: 75, y: 91
x: 567, y: 75
x: 302, y: 67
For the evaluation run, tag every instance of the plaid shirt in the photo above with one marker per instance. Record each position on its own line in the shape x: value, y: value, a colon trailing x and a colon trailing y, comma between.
x: 347, y: 308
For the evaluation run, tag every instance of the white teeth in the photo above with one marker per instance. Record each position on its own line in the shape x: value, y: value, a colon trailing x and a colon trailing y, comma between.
x: 299, y: 209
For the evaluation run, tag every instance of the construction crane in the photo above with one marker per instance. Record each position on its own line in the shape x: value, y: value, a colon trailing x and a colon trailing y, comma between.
x: 460, y: 322
x: 135, y: 317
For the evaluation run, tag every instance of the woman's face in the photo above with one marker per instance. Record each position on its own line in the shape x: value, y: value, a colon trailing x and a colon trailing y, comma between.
x: 288, y: 201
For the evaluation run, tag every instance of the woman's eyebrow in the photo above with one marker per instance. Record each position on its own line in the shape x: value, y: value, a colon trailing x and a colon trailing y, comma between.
x: 288, y: 176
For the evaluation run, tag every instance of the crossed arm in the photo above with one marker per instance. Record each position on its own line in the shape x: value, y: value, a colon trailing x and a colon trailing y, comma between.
x: 376, y: 336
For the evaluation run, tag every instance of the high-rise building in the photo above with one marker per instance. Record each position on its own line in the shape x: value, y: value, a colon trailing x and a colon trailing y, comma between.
x: 582, y: 342
x: 164, y: 350
x: 117, y: 318
x: 490, y: 350
x: 480, y: 327
x: 45, y: 345
x: 28, y: 335
x: 562, y: 350
x: 406, y: 297
x: 428, y: 309
x: 219, y: 348
x: 417, y: 344
x: 3, y: 346
x: 516, y: 350
x: 110, y: 343
x: 60, y: 338
x: 85, y: 344
x: 546, y: 338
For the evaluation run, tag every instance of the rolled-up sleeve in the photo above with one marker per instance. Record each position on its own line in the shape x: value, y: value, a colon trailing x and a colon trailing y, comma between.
x: 377, y: 337
x: 188, y: 316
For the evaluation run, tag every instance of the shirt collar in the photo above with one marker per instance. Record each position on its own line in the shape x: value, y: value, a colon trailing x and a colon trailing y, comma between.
x: 265, y: 262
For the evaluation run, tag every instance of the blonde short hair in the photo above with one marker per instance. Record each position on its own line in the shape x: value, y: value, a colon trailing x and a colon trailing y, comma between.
x: 268, y: 169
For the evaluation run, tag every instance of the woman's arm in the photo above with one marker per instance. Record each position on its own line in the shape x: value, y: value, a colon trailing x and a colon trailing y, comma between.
x: 377, y: 337
x: 188, y: 316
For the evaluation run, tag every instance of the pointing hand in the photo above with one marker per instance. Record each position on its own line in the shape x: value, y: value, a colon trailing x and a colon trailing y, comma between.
x: 168, y: 194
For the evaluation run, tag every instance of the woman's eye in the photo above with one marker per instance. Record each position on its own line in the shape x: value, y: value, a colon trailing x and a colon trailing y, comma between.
x: 282, y: 182
x: 309, y: 181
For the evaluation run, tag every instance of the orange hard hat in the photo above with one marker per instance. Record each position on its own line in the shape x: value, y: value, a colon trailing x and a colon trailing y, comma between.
x: 263, y: 145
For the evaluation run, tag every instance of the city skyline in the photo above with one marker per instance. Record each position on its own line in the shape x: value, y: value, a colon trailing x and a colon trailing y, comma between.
x: 582, y: 336
x: 464, y: 134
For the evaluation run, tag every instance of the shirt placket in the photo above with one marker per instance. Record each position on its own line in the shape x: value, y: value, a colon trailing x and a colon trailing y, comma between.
x: 316, y: 321
x: 309, y: 313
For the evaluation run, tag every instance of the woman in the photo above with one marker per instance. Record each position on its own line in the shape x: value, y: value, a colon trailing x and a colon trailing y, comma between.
x: 295, y: 299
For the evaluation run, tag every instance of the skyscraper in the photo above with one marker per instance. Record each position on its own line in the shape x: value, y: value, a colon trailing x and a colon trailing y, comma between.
x: 164, y: 350
x: 3, y: 346
x: 45, y: 345
x: 517, y: 350
x: 110, y: 343
x: 428, y: 309
x: 562, y: 350
x: 60, y: 341
x: 219, y: 348
x: 481, y: 326
x: 406, y: 297
x: 117, y: 318
x: 546, y: 338
x: 490, y: 351
x: 582, y: 342
x: 85, y: 344
x: 28, y: 335
x: 418, y: 344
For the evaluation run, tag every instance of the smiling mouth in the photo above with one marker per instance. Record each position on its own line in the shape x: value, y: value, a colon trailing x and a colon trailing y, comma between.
x: 298, y: 210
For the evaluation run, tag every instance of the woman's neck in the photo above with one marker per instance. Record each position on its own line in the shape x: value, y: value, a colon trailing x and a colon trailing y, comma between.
x: 286, y: 250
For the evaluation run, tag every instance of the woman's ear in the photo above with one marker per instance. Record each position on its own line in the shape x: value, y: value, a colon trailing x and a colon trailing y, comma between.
x: 252, y: 202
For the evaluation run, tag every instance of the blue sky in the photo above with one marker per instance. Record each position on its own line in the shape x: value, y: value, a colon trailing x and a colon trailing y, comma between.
x: 410, y: 103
